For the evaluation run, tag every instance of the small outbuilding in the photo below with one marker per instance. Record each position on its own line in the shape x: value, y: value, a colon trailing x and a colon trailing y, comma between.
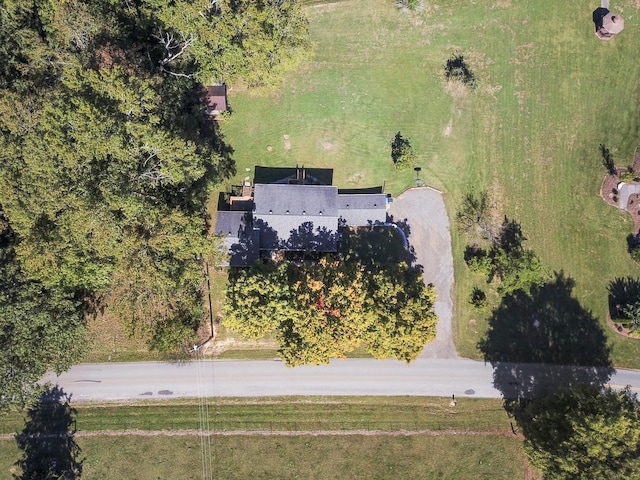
x: 215, y: 100
x: 609, y: 24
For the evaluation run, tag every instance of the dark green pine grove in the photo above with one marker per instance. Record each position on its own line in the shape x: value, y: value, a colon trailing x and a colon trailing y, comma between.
x: 107, y: 162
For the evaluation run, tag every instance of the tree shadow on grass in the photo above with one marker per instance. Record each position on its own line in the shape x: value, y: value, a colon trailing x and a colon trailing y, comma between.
x: 47, y: 440
x: 541, y: 342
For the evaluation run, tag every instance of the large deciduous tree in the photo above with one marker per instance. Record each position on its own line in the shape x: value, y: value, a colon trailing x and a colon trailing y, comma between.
x: 40, y: 328
x: 584, y: 432
x: 256, y: 41
x: 325, y: 310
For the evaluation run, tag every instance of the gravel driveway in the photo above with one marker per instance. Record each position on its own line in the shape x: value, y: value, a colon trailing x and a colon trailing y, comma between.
x: 424, y: 210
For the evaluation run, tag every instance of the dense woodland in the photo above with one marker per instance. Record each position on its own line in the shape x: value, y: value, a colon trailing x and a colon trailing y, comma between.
x: 108, y: 160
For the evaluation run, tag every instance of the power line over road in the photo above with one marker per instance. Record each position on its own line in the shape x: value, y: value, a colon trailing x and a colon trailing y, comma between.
x: 424, y: 377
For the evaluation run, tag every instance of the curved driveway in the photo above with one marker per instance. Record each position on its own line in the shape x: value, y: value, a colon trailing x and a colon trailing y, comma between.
x: 423, y: 209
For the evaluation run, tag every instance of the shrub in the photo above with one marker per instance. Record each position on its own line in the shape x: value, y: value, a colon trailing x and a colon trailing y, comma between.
x: 412, y: 5
x: 456, y: 69
x: 478, y: 260
x: 478, y: 298
x: 402, y: 153
x: 629, y: 175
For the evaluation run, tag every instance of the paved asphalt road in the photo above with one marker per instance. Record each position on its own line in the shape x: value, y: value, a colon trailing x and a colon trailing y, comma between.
x: 424, y: 377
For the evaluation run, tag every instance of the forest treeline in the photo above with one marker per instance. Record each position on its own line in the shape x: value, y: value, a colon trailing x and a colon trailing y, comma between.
x: 107, y: 161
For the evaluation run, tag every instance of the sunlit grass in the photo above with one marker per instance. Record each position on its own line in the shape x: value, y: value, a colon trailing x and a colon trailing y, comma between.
x: 549, y: 94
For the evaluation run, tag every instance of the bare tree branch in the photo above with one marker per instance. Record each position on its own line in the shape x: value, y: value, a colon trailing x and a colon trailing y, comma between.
x: 173, y: 47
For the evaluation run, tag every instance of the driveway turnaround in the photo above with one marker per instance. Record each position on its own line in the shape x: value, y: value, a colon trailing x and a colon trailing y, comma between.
x: 423, y: 209
x: 219, y: 378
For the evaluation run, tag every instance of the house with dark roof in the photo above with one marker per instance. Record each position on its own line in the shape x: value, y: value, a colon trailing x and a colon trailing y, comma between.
x: 293, y: 210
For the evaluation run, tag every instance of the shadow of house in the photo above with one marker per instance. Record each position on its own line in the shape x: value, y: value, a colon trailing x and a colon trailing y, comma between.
x: 293, y: 210
x: 542, y: 342
x: 47, y: 441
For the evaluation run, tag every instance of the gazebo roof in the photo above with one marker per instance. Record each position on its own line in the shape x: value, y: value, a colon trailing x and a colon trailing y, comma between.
x: 613, y: 23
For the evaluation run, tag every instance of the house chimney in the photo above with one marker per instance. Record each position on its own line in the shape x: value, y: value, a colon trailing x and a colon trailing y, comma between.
x: 301, y: 175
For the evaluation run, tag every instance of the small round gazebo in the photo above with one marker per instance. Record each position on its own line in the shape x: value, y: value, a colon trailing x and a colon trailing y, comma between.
x: 612, y: 24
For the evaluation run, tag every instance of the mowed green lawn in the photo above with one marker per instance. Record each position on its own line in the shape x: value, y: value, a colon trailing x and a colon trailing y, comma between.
x: 270, y: 438
x: 550, y: 93
x: 299, y: 457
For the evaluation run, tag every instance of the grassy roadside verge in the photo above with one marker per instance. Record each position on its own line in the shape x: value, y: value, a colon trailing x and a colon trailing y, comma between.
x: 290, y: 414
x: 470, y: 441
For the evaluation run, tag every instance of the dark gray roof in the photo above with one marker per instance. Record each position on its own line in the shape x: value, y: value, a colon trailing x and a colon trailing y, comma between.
x: 282, y: 199
x: 360, y: 191
x: 232, y: 223
x: 298, y: 233
x: 296, y: 217
x: 362, y: 209
x: 313, y: 176
x: 242, y: 241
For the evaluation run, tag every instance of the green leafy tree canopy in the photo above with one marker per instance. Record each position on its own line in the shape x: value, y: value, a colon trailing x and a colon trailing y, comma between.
x: 324, y: 310
x: 402, y: 153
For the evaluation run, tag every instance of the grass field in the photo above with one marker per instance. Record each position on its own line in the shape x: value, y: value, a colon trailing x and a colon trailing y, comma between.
x: 290, y: 413
x: 471, y: 441
x: 296, y: 457
x: 549, y: 94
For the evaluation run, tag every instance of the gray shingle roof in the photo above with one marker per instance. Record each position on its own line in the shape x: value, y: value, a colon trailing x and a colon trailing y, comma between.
x: 310, y: 200
x: 232, y: 223
x: 299, y: 233
x: 313, y: 176
x: 362, y: 209
x: 296, y: 217
x: 238, y: 236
